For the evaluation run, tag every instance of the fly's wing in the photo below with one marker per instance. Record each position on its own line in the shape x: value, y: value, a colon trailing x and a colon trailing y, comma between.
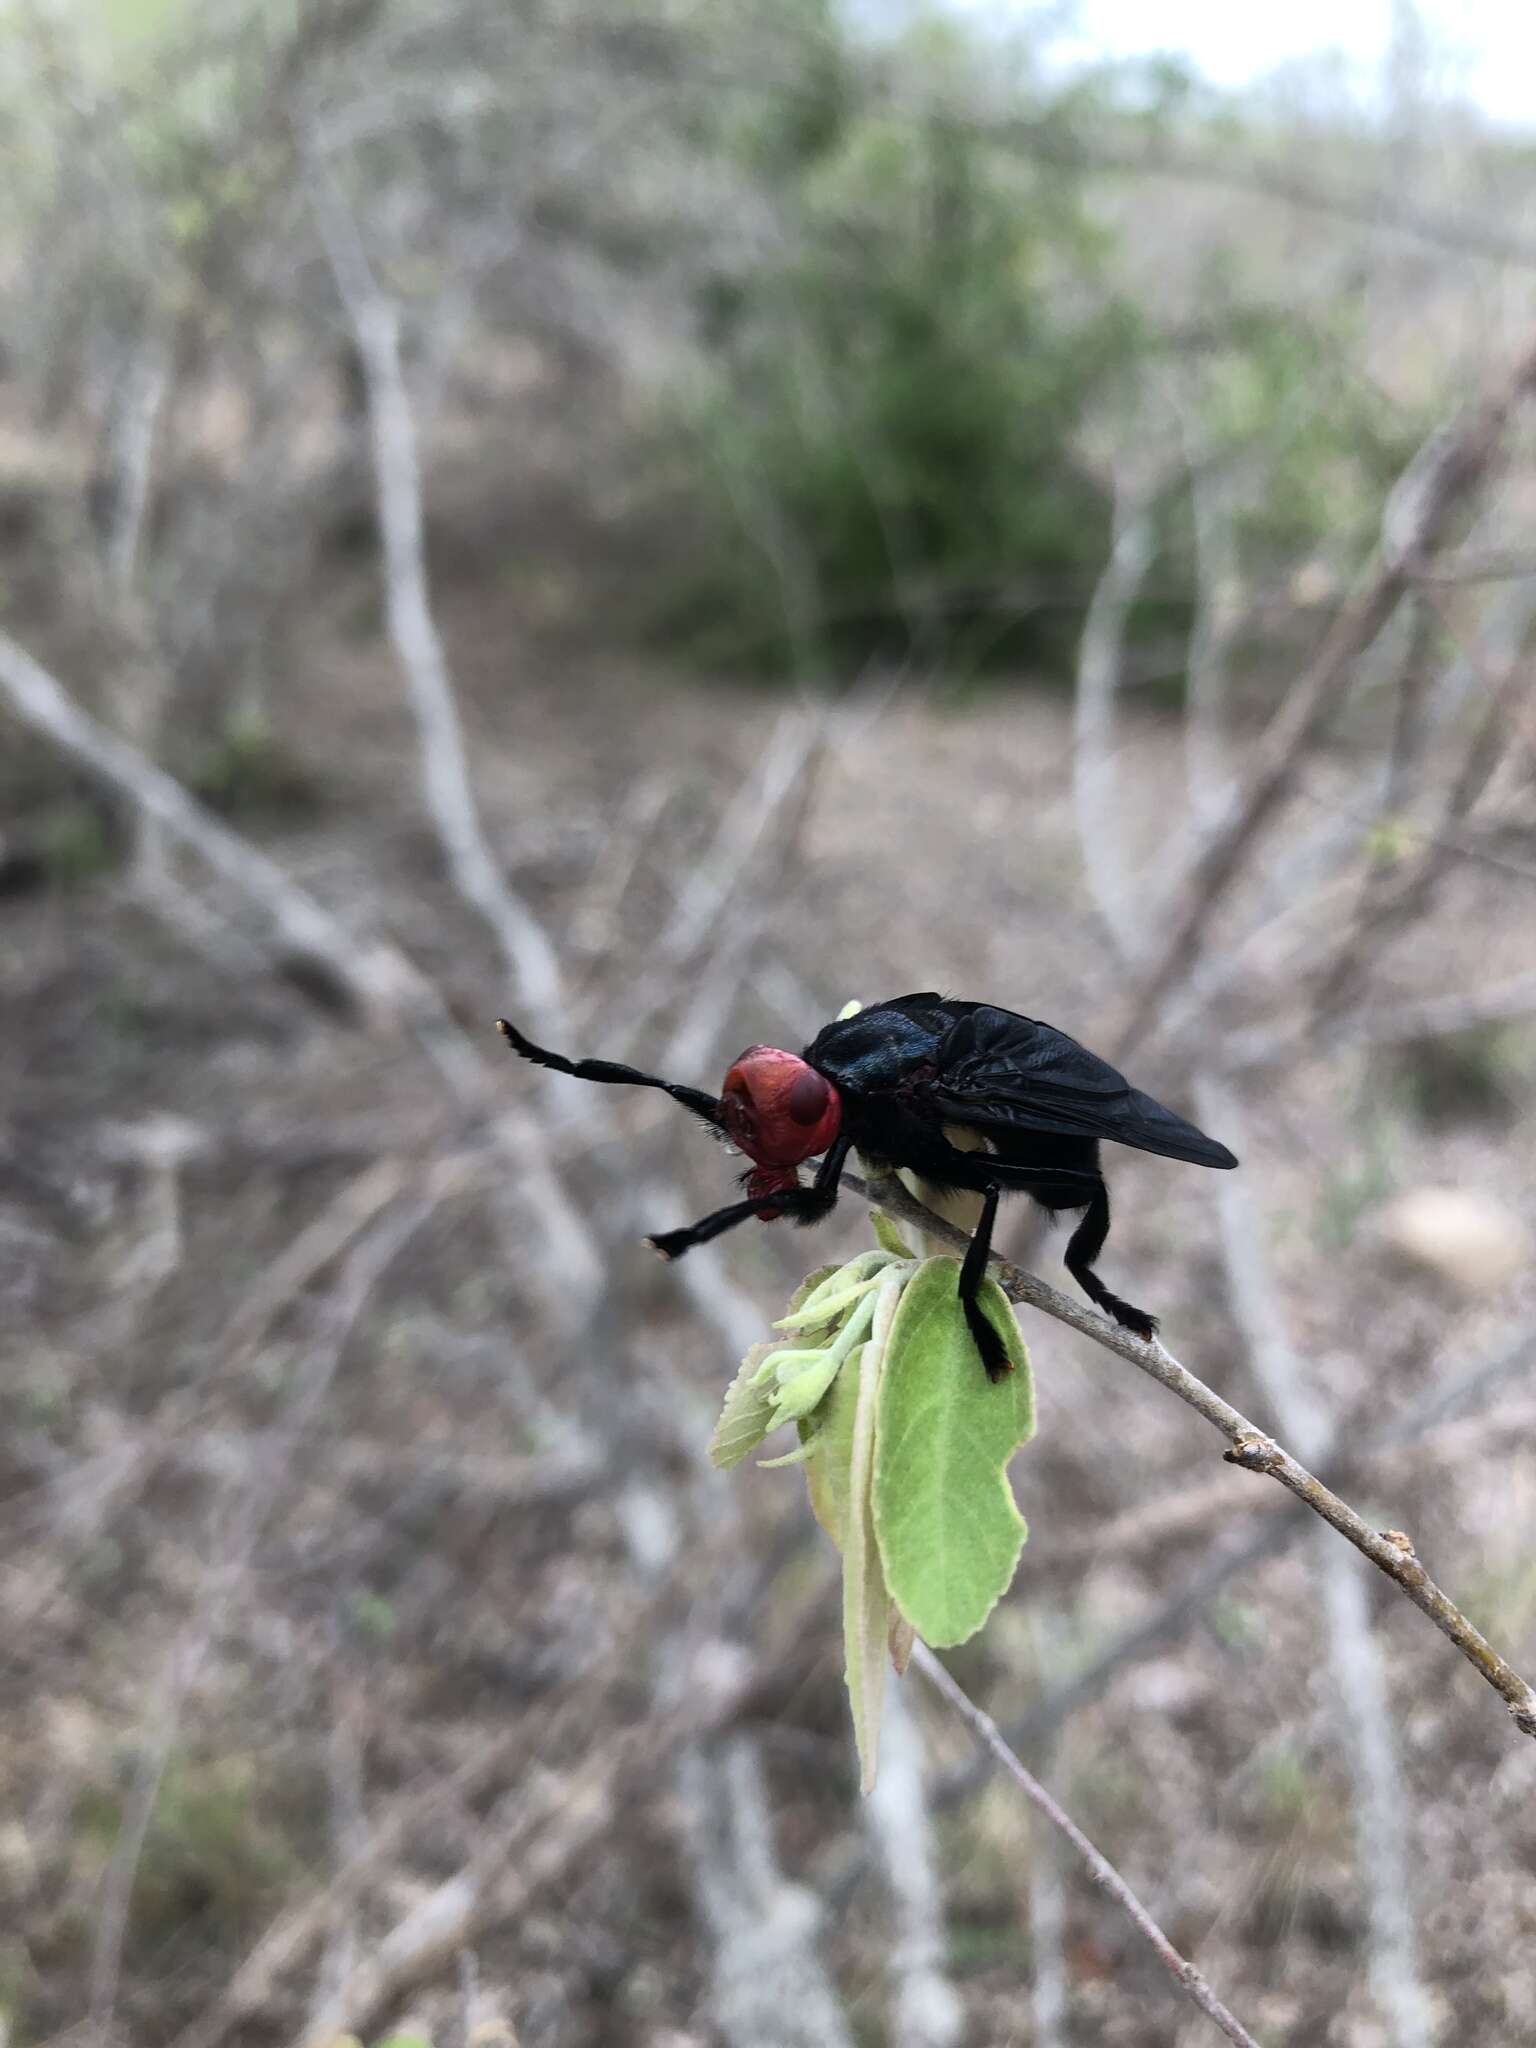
x: 1000, y: 1072
x: 929, y: 1007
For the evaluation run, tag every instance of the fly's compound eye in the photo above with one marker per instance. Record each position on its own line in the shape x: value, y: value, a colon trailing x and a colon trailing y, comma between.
x: 807, y: 1099
x: 736, y: 1104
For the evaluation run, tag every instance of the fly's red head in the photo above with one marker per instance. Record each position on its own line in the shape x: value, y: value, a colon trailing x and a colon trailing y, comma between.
x: 778, y: 1111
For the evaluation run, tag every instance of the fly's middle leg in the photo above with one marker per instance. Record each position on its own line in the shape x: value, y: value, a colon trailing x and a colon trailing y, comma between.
x: 973, y: 1270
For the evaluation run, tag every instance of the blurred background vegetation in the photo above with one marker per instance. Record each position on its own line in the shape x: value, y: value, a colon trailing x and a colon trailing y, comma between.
x: 661, y: 519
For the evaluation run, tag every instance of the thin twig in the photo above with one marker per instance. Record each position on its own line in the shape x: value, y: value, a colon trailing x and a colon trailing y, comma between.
x: 1208, y: 764
x: 1416, y: 517
x: 296, y: 1930
x: 233, y: 1539
x: 926, y: 2011
x: 1390, y: 1023
x: 1100, y: 1869
x: 349, y: 1830
x: 1183, y: 1513
x: 1100, y: 657
x: 1379, y: 1803
x: 771, y: 1988
x: 375, y: 979
x: 1393, y: 900
x: 1391, y: 1551
x: 375, y: 321
x: 1271, y: 1533
x: 542, y: 1833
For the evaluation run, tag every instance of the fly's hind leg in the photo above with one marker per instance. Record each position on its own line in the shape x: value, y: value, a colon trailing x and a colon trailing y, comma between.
x: 1086, y: 1243
x: 973, y: 1270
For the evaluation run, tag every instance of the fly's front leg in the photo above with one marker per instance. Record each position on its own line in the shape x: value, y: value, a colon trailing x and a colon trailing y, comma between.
x: 809, y: 1205
x: 973, y: 1270
x: 673, y: 1243
x: 805, y: 1205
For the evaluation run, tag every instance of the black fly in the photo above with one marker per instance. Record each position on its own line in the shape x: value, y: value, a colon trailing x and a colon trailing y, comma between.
x: 901, y: 1081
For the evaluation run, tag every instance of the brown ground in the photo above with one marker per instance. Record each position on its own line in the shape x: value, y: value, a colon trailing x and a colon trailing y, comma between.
x: 409, y: 1576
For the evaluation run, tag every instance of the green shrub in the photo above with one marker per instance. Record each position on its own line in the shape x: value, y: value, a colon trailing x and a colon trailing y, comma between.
x: 213, y: 1863
x: 249, y: 773
x: 885, y: 441
x: 882, y: 447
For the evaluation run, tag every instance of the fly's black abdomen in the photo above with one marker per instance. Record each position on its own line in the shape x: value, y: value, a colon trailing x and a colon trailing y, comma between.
x: 1063, y: 1171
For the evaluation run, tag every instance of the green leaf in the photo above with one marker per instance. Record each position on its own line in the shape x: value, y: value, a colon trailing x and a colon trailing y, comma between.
x: 1389, y: 841
x: 805, y: 1388
x: 800, y: 1455
x: 828, y: 1437
x: 786, y: 1365
x: 823, y: 1298
x: 747, y: 1415
x: 809, y: 1285
x: 829, y: 1308
x: 948, y: 1529
x: 889, y: 1236
x: 866, y: 1599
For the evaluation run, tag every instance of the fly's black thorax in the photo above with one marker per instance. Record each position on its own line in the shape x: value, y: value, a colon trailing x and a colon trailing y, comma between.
x: 877, y: 1049
x: 877, y: 1061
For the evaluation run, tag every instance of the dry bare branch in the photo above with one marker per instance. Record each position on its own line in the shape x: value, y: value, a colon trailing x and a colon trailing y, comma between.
x: 375, y: 321
x: 1047, y: 1942
x: 237, y: 1529
x: 1353, y: 1446
x: 1390, y: 1023
x: 296, y: 1931
x: 1218, y: 611
x: 1391, y: 902
x: 1417, y: 516
x: 770, y: 1988
x: 344, y: 1773
x: 926, y: 2010
x: 1099, y: 1868
x: 546, y: 1830
x: 1382, y: 1864
x: 1390, y: 1551
x: 1432, y: 1419
x: 139, y: 403
x: 534, y: 1833
x: 378, y: 981
x: 1101, y: 653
